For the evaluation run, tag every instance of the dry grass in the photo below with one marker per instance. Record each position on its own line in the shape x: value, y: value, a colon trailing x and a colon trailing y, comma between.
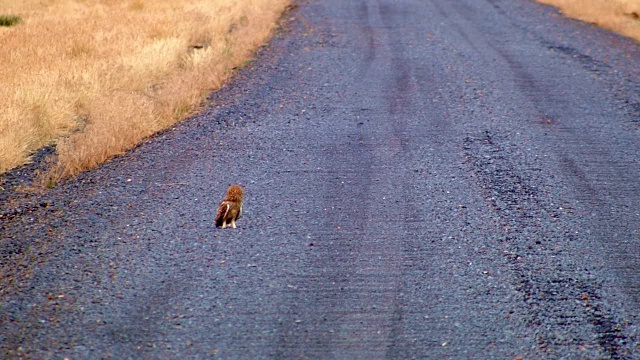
x: 621, y: 16
x: 97, y: 76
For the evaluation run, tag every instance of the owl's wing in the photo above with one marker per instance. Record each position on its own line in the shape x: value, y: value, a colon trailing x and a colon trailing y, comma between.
x: 221, y: 214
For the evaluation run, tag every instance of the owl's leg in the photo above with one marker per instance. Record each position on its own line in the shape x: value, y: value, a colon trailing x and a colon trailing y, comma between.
x: 233, y: 223
x: 224, y: 224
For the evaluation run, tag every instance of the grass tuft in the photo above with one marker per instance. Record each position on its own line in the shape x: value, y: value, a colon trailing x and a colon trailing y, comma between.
x: 136, y: 5
x: 9, y: 20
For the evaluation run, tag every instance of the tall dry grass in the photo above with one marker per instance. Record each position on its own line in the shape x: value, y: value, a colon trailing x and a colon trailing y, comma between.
x: 97, y: 76
x: 621, y: 16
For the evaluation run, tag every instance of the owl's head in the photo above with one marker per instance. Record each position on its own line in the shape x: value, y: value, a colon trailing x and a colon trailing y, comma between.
x: 235, y: 193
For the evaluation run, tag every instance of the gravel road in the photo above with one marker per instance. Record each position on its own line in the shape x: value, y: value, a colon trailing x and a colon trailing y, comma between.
x: 424, y: 179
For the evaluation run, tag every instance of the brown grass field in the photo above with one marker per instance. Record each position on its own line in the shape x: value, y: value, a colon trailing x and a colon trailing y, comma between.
x: 621, y: 16
x: 96, y: 77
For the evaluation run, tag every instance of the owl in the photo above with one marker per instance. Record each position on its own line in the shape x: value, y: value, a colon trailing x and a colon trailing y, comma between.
x: 230, y: 207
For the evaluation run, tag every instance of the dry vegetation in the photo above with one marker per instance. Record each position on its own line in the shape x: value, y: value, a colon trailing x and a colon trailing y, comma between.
x: 97, y: 76
x: 621, y: 16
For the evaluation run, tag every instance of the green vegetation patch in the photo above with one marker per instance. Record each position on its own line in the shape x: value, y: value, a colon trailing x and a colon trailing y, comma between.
x: 9, y: 20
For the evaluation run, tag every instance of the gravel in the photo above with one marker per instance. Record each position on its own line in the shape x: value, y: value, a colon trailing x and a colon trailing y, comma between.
x: 423, y: 180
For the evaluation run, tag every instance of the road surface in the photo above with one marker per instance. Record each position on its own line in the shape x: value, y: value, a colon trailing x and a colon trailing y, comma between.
x: 424, y: 179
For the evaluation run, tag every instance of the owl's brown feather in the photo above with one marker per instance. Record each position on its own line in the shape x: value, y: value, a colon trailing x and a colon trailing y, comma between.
x: 230, y: 208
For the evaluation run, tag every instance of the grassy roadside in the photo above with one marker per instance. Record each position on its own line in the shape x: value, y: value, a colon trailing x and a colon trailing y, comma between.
x: 97, y: 76
x: 621, y: 16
